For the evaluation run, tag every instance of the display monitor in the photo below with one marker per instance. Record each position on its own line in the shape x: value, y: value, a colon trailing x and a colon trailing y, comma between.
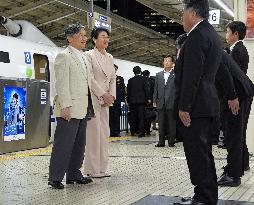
x: 14, y: 113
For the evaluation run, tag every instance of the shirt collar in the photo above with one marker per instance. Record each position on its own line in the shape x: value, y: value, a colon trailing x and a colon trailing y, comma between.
x: 75, y: 50
x: 194, y: 27
x: 233, y: 45
x: 102, y: 53
x: 167, y: 71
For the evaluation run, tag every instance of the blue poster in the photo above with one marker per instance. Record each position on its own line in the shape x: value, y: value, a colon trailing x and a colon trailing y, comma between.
x: 14, y: 113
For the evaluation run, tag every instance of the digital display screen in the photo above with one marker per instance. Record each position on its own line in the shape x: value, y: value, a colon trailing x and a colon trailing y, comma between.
x: 14, y: 113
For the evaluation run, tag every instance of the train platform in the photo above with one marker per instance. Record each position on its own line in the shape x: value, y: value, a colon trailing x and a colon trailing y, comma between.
x: 141, y: 174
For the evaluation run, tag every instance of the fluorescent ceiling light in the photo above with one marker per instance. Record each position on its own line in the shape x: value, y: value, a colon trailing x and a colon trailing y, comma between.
x: 222, y: 4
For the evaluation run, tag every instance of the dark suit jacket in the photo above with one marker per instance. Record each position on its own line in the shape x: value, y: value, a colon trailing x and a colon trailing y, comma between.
x: 241, y: 56
x: 197, y: 65
x: 243, y: 85
x: 164, y: 94
x: 224, y: 81
x: 120, y: 90
x: 137, y: 90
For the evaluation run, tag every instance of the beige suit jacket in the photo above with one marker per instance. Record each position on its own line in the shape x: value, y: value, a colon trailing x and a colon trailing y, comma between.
x: 104, y: 80
x: 72, y: 81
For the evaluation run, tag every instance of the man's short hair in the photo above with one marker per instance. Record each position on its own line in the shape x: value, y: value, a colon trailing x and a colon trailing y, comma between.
x: 169, y: 56
x: 181, y: 40
x: 239, y: 27
x: 73, y: 29
x: 146, y: 73
x: 201, y: 7
x: 136, y: 70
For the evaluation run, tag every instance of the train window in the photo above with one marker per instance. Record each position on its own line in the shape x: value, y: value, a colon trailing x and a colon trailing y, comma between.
x: 41, y: 67
x: 4, y: 57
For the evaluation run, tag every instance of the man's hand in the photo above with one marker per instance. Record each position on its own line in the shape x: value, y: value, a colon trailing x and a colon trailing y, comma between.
x: 154, y: 104
x: 65, y: 113
x: 185, y: 118
x: 108, y: 99
x: 234, y: 106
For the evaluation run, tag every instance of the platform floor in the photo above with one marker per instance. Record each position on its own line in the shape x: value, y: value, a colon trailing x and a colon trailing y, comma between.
x: 138, y: 170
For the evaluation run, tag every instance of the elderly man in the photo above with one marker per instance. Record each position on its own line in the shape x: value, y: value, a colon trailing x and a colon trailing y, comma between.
x: 72, y: 104
x: 198, y: 103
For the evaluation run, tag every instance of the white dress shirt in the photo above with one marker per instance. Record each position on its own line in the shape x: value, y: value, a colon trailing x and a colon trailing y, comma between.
x: 194, y: 27
x: 233, y: 45
x: 166, y: 75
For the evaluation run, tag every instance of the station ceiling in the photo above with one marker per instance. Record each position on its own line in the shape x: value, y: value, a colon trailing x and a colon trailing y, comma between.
x: 128, y: 41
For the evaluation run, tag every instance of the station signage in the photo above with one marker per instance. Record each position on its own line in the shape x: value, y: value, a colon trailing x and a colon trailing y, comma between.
x: 214, y: 17
x: 96, y: 20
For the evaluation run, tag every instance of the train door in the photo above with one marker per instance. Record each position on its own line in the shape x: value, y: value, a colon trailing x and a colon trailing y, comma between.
x: 41, y: 67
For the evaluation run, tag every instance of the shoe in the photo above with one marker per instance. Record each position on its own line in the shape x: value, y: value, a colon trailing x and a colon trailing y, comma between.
x: 222, y: 146
x: 56, y: 184
x: 159, y: 145
x: 188, y: 201
x: 83, y: 180
x: 132, y: 134
x: 101, y: 175
x: 105, y: 175
x: 155, y: 128
x: 171, y: 145
x: 246, y: 168
x: 141, y: 135
x: 225, y: 180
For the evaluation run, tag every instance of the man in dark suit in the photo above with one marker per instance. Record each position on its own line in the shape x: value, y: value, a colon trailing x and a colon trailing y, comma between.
x: 235, y: 34
x: 115, y: 110
x: 137, y: 98
x: 163, y: 98
x: 235, y: 124
x: 198, y: 103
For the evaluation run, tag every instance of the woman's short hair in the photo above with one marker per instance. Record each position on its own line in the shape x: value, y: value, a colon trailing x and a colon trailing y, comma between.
x: 96, y: 32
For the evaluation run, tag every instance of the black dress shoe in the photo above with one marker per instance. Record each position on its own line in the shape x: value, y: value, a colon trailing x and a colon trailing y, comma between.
x: 159, y: 145
x: 189, y: 202
x: 141, y: 135
x: 246, y: 168
x: 171, y: 145
x: 56, y: 184
x: 84, y: 180
x: 225, y: 180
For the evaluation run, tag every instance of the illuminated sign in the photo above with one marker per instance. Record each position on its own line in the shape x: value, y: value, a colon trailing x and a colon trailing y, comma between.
x: 98, y: 21
x: 214, y: 17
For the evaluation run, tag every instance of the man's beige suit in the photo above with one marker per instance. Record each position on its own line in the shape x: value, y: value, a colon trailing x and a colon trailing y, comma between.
x: 73, y: 77
x: 79, y: 77
x: 96, y: 154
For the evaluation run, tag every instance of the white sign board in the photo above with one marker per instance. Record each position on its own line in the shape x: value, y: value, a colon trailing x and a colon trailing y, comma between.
x: 214, y: 17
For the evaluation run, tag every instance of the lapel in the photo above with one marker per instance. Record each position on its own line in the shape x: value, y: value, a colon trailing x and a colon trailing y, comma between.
x: 172, y: 74
x: 88, y: 70
x: 78, y: 63
x: 162, y: 80
x: 104, y: 69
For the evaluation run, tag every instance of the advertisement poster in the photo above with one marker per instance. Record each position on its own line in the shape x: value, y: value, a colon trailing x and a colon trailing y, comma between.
x: 250, y: 19
x: 14, y: 113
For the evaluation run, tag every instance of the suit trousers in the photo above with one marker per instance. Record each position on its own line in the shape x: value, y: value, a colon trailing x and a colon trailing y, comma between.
x: 114, y: 120
x: 197, y: 142
x: 247, y: 106
x: 97, y: 132
x: 167, y: 125
x: 137, y: 115
x: 68, y: 150
x: 234, y: 142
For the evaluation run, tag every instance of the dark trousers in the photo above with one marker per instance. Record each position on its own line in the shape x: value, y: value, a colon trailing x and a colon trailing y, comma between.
x: 234, y: 142
x: 137, y: 118
x: 247, y: 110
x: 68, y: 150
x: 114, y: 120
x: 197, y: 142
x: 167, y: 125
